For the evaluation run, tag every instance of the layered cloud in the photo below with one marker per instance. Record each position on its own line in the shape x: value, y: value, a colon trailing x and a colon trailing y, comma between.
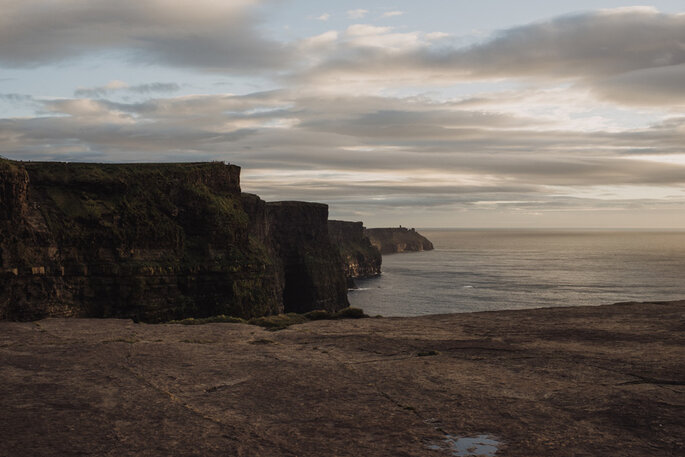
x: 633, y: 55
x: 205, y: 34
x: 615, y: 52
x: 591, y: 45
x: 373, y: 158
x: 119, y: 86
x: 577, y: 114
x: 380, y: 134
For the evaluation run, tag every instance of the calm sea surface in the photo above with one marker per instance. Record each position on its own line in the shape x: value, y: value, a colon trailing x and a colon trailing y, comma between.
x: 480, y: 270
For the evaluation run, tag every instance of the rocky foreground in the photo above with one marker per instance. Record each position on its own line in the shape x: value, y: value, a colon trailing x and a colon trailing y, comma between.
x: 583, y: 381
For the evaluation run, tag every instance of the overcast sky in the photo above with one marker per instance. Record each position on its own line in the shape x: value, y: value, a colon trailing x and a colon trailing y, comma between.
x: 447, y: 113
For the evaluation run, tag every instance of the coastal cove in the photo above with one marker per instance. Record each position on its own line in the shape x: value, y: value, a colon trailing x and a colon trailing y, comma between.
x: 485, y: 270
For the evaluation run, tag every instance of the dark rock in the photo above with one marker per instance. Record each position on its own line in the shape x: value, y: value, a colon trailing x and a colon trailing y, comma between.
x: 360, y: 258
x: 153, y: 242
x: 398, y: 239
x: 13, y: 188
x: 530, y: 379
x: 314, y: 278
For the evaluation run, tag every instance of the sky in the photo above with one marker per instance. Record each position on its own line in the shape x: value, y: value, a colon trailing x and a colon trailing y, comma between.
x: 442, y: 113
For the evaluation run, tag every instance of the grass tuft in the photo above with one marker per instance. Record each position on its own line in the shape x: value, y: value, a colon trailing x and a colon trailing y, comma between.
x: 221, y: 318
x: 277, y: 321
x: 350, y: 313
x: 318, y: 315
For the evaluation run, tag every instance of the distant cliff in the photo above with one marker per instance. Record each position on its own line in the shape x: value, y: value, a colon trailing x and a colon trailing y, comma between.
x: 360, y: 258
x: 155, y: 242
x: 399, y: 239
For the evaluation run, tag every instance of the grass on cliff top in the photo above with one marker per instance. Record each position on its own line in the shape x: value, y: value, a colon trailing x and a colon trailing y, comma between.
x: 278, y: 321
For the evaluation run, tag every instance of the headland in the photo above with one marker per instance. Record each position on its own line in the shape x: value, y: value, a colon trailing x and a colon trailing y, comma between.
x: 398, y: 239
x: 157, y: 242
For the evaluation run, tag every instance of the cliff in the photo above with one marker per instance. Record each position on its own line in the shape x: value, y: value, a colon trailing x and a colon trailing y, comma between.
x: 398, y: 239
x: 152, y: 242
x: 360, y: 258
x: 314, y: 277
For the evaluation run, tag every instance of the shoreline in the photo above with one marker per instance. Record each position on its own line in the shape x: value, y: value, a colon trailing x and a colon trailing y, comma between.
x: 562, y: 381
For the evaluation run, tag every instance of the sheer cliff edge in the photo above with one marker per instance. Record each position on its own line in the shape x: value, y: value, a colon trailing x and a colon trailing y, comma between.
x: 361, y: 259
x: 155, y: 242
x: 398, y: 239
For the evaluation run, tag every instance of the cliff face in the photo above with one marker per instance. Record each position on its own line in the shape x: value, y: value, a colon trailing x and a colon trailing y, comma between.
x: 400, y: 239
x: 147, y: 241
x: 314, y: 277
x: 13, y: 188
x: 360, y: 258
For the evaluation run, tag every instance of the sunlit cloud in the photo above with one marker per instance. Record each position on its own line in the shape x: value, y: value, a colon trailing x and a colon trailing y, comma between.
x: 357, y: 14
x: 593, y: 50
x: 119, y: 86
x: 578, y: 113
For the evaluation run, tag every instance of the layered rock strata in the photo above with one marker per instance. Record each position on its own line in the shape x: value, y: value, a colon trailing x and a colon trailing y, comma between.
x: 314, y: 277
x: 154, y: 242
x: 398, y: 239
x: 361, y: 260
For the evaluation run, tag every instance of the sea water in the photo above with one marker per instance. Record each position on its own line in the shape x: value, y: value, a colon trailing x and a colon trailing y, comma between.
x: 482, y: 270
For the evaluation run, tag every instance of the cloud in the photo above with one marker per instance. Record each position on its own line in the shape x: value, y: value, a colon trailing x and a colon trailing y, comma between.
x: 16, y: 98
x: 599, y: 44
x: 365, y: 36
x: 649, y: 87
x: 357, y: 14
x: 117, y: 86
x: 632, y: 55
x: 319, y: 43
x: 392, y: 13
x: 324, y: 17
x: 210, y: 35
x: 155, y: 87
x: 410, y: 154
x: 614, y: 52
x: 360, y: 43
x: 545, y: 131
x: 385, y: 134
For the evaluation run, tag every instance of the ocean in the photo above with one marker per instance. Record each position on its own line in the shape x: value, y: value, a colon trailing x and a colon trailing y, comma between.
x: 484, y: 270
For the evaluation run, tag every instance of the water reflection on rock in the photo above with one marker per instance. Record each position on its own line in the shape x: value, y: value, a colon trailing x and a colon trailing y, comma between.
x: 463, y: 446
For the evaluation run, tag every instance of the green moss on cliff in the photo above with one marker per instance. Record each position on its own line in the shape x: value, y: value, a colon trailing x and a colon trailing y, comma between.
x: 136, y: 205
x: 155, y: 242
x: 148, y: 241
x: 7, y: 165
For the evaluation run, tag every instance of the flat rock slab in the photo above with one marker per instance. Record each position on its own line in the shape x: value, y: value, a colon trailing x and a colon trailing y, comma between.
x: 582, y: 381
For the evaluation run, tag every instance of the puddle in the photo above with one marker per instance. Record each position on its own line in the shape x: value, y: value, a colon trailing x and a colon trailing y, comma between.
x: 464, y: 446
